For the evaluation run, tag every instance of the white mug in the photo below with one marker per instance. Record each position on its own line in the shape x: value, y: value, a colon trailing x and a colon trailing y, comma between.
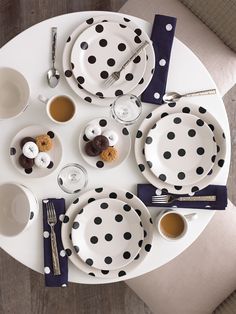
x: 185, y: 219
x: 48, y: 102
x: 18, y: 208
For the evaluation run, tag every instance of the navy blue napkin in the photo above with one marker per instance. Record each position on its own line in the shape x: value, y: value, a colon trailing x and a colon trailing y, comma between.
x: 146, y: 191
x: 162, y: 36
x: 50, y: 279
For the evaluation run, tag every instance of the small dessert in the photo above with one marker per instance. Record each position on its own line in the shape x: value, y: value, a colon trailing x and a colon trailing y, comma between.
x: 30, y: 150
x: 25, y: 162
x: 92, y: 130
x: 44, y: 142
x: 25, y: 140
x: 91, y: 150
x: 100, y: 142
x: 42, y: 160
x: 112, y: 137
x: 109, y: 154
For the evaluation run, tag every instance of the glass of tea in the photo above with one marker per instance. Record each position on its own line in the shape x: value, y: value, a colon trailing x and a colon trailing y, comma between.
x: 60, y: 108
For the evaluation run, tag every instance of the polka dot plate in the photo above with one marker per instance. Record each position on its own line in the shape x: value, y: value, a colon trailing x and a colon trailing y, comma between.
x: 160, y: 113
x: 106, y: 234
x: 101, y: 50
x: 180, y: 149
x: 123, y: 145
x: 55, y: 153
x: 68, y: 67
x: 112, y: 193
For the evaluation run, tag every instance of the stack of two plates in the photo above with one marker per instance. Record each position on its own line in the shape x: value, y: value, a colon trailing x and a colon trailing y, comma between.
x: 100, y: 46
x: 179, y: 148
x: 107, y: 232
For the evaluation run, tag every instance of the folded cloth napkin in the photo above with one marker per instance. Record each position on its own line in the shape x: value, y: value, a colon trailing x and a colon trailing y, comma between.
x: 146, y: 191
x: 162, y: 36
x: 50, y: 279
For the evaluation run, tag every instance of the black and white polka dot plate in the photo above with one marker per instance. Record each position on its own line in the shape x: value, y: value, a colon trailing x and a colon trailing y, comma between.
x: 107, y: 234
x: 68, y: 67
x: 112, y: 193
x: 55, y: 153
x: 180, y: 149
x: 101, y: 50
x: 123, y: 145
x: 161, y: 112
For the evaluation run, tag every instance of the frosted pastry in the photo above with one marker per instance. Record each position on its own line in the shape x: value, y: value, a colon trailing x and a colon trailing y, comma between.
x: 42, y: 160
x: 91, y: 150
x: 25, y: 162
x: 25, y: 140
x: 100, y: 142
x: 109, y: 154
x: 112, y: 137
x: 44, y: 142
x: 92, y: 130
x: 30, y: 150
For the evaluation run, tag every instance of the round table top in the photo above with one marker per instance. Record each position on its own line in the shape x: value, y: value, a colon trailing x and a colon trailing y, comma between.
x: 29, y: 52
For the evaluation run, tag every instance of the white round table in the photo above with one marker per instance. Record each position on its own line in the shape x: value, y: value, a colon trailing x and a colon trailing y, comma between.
x: 29, y: 52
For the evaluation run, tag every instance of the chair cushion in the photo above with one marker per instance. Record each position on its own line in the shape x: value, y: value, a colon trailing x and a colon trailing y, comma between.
x: 215, y: 55
x: 200, y: 278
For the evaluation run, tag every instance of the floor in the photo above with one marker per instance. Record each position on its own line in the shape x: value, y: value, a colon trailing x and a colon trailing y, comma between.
x: 22, y: 291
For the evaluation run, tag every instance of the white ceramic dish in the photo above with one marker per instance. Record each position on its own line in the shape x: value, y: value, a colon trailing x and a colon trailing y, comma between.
x: 107, y: 233
x: 112, y: 193
x: 161, y: 112
x: 180, y: 149
x: 55, y: 153
x: 67, y: 66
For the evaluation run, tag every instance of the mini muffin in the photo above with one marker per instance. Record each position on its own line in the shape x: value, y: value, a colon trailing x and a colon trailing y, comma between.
x: 44, y: 142
x: 91, y: 150
x: 25, y: 162
x: 25, y: 140
x: 109, y: 154
x: 100, y: 142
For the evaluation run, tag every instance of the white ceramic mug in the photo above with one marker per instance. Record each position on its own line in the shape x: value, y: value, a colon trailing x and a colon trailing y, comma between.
x: 14, y: 93
x: 48, y: 102
x: 18, y: 208
x: 185, y: 219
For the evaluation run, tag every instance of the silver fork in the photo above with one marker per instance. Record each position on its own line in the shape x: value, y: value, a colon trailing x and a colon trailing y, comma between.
x: 52, y: 220
x: 167, y: 199
x: 116, y: 75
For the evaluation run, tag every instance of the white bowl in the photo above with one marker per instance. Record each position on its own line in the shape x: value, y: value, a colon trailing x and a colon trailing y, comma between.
x: 18, y: 208
x: 14, y: 93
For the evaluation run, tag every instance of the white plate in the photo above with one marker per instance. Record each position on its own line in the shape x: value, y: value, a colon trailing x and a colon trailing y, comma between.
x: 89, y: 197
x: 101, y: 50
x: 67, y: 67
x: 161, y: 112
x: 180, y: 149
x: 123, y: 145
x: 55, y: 153
x: 106, y: 234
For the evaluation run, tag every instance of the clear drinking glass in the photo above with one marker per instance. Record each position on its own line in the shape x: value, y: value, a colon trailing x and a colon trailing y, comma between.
x: 126, y: 109
x: 72, y: 178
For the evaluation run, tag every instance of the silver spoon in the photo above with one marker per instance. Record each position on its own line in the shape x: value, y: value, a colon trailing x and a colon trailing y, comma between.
x: 173, y: 96
x: 53, y: 74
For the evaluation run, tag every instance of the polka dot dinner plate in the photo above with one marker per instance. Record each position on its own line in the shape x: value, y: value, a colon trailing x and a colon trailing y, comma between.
x: 180, y: 149
x: 161, y: 112
x: 123, y: 145
x: 101, y: 50
x: 107, y: 233
x: 112, y: 193
x: 67, y: 66
x: 55, y: 153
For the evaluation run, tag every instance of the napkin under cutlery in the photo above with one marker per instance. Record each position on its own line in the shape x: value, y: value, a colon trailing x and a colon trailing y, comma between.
x: 146, y: 191
x: 50, y: 279
x: 162, y: 36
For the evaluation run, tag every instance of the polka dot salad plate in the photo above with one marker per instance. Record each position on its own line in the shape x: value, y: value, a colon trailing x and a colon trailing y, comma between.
x: 122, y: 146
x: 68, y: 65
x: 101, y: 50
x: 97, y: 194
x: 160, y: 113
x: 55, y: 152
x: 107, y: 234
x: 180, y: 149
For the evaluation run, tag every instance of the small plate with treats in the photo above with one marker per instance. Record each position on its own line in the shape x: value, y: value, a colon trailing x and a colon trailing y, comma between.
x: 104, y: 144
x: 36, y: 151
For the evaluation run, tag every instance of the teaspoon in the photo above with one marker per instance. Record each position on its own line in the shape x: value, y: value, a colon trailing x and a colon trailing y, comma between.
x: 53, y: 74
x: 173, y: 96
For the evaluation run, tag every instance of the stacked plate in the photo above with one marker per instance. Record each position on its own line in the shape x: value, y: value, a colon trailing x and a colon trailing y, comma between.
x: 100, y: 46
x: 107, y: 232
x: 180, y: 149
